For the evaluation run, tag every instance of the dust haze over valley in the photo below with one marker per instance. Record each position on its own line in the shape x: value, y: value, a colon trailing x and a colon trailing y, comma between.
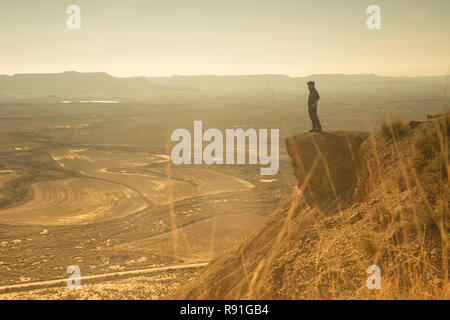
x: 92, y: 95
x: 91, y: 184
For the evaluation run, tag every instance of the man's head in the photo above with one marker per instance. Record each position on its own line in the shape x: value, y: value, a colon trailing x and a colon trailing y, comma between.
x: 311, y: 84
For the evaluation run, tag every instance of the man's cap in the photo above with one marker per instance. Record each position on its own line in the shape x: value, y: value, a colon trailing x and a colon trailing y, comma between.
x: 311, y: 83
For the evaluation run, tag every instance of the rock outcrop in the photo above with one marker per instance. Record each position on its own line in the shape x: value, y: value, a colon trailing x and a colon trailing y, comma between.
x: 326, y: 165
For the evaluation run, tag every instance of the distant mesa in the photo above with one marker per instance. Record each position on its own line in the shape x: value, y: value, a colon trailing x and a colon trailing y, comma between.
x: 101, y: 86
x: 88, y: 86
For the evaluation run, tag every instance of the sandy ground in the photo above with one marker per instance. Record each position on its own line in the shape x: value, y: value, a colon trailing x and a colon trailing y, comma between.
x: 115, y: 185
x: 149, y: 287
x: 74, y: 201
x: 199, y: 241
x: 160, y: 185
x: 5, y: 176
x: 104, y: 194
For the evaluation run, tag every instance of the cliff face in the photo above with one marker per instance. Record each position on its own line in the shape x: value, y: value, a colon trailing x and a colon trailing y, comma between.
x: 350, y: 210
x: 326, y: 165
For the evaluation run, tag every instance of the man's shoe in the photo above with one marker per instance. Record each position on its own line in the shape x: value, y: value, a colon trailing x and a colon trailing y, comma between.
x: 318, y: 130
x: 312, y: 130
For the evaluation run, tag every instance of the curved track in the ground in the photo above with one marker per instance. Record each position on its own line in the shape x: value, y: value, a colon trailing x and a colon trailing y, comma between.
x: 75, y: 201
x: 50, y: 283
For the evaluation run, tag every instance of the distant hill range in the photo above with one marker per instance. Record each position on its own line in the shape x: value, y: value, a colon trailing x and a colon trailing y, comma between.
x: 99, y: 85
x: 81, y: 85
x: 286, y: 84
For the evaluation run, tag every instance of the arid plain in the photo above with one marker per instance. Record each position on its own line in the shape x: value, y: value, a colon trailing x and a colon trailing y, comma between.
x: 87, y: 185
x: 91, y: 184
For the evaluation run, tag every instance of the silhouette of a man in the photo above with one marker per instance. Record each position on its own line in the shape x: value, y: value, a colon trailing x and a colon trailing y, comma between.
x: 313, y: 100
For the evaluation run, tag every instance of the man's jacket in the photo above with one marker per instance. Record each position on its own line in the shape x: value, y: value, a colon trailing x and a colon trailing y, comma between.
x: 313, y: 97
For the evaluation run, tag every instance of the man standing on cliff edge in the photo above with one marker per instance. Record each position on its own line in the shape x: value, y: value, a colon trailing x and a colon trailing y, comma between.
x: 313, y: 100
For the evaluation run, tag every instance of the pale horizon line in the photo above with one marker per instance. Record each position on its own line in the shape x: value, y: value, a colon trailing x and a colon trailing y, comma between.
x: 230, y: 74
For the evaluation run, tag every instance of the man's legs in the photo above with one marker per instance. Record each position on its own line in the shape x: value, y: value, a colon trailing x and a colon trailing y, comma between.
x: 314, y: 118
x: 311, y: 116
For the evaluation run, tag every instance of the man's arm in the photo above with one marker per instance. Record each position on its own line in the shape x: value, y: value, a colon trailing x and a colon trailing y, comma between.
x: 316, y: 98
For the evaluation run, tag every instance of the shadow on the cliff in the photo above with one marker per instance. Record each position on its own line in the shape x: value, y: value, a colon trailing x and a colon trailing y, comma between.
x: 326, y: 166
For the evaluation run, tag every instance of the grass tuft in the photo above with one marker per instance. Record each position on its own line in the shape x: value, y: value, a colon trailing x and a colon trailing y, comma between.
x: 394, y: 129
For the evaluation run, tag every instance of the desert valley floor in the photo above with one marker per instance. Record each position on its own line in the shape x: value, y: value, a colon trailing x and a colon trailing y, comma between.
x: 91, y: 185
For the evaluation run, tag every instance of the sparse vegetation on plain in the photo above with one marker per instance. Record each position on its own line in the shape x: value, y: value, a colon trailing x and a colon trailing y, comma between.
x: 86, y: 152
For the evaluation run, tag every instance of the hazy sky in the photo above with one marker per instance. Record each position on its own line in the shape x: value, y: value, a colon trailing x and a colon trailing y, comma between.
x: 166, y: 37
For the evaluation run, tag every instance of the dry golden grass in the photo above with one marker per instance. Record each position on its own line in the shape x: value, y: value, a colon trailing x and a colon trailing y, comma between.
x: 317, y: 246
x: 394, y: 128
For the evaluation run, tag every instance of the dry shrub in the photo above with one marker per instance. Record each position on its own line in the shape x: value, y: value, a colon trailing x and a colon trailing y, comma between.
x: 431, y: 159
x: 394, y: 129
x: 381, y: 218
x: 369, y: 244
